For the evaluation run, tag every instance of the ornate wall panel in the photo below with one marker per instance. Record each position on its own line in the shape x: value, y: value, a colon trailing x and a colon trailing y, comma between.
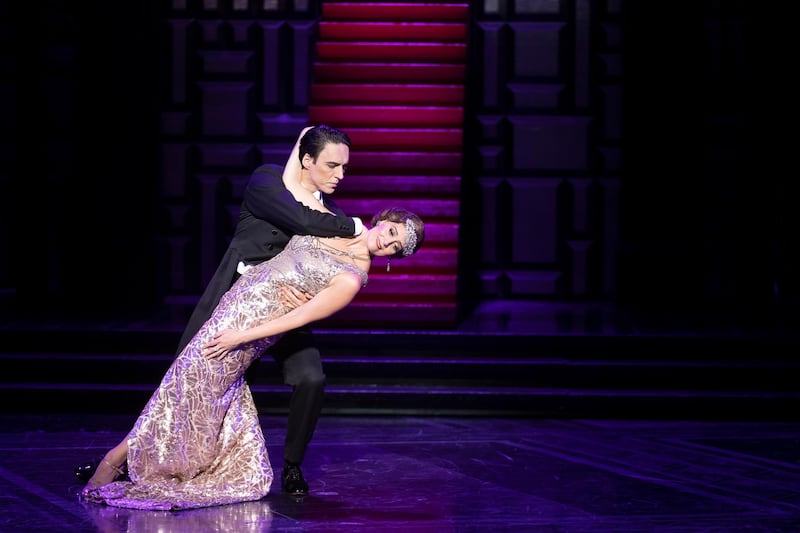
x: 236, y: 96
x: 9, y: 103
x: 547, y: 128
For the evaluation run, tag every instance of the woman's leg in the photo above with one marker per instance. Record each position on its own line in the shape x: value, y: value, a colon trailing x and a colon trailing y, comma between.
x: 110, y: 467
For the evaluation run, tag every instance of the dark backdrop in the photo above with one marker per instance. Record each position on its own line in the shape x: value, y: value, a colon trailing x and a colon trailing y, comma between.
x: 710, y: 228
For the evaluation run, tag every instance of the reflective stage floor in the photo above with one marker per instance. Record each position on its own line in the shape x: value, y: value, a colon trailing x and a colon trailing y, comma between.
x: 409, y: 474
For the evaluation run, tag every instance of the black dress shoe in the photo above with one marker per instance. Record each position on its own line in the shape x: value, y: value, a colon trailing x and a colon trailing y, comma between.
x: 292, y: 481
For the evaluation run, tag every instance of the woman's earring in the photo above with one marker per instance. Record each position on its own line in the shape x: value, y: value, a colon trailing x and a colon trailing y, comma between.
x: 388, y: 265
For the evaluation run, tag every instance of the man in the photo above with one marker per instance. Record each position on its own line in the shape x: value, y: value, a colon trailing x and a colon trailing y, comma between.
x: 269, y: 216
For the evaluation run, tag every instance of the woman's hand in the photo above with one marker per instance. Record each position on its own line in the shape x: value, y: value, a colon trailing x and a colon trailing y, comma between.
x: 293, y: 297
x: 222, y: 343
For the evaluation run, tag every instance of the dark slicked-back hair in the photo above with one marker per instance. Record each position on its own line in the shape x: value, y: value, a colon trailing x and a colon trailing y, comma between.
x: 400, y: 215
x: 315, y: 139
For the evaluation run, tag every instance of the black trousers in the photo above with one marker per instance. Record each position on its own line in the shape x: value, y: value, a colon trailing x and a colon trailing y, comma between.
x: 301, y: 366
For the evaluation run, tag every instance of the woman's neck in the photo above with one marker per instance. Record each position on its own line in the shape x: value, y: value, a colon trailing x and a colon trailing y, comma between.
x: 354, y: 248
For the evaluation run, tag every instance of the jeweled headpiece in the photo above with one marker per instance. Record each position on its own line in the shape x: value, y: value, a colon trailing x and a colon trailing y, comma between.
x: 411, y: 238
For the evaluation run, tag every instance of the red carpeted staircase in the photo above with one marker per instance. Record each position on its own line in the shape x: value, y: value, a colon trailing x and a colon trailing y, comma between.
x: 392, y: 75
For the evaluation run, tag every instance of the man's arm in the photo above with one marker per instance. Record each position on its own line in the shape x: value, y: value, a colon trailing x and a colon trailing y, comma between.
x: 267, y: 198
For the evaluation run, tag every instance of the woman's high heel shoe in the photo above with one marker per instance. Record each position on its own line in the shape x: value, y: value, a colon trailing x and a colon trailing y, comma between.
x: 108, y: 473
x: 84, y: 472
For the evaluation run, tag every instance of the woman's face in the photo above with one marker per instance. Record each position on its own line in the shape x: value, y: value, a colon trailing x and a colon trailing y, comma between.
x: 386, y: 238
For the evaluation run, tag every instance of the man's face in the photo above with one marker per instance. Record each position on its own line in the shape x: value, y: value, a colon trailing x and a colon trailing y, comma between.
x: 328, y: 170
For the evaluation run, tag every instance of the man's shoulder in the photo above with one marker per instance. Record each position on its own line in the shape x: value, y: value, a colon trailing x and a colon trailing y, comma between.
x: 267, y: 174
x: 269, y: 168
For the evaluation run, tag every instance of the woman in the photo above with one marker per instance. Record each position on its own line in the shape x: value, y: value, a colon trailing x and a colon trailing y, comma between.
x: 198, y: 441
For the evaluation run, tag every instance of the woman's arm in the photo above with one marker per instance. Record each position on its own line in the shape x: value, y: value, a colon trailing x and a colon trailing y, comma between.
x: 291, y: 172
x: 335, y: 297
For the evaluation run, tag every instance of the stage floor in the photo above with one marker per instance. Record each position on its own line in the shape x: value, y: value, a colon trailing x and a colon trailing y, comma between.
x: 407, y: 474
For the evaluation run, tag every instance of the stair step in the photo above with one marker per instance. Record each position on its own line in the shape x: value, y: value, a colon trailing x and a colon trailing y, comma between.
x: 387, y: 94
x: 356, y: 184
x: 392, y: 31
x: 435, y: 261
x: 23, y: 339
x: 431, y: 399
x: 442, y: 370
x: 414, y: 73
x: 431, y: 260
x: 388, y: 11
x: 411, y: 291
x: 353, y: 116
x: 436, y: 209
x: 440, y: 237
x: 413, y: 286
x: 559, y: 403
x: 562, y: 374
x: 409, y: 162
x: 392, y: 314
x: 407, y: 139
x: 391, y: 51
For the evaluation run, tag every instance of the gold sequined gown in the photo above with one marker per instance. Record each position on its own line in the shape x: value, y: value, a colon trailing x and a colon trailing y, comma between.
x: 198, y: 441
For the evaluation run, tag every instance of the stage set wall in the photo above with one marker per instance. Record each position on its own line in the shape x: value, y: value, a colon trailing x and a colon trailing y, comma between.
x: 614, y: 151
